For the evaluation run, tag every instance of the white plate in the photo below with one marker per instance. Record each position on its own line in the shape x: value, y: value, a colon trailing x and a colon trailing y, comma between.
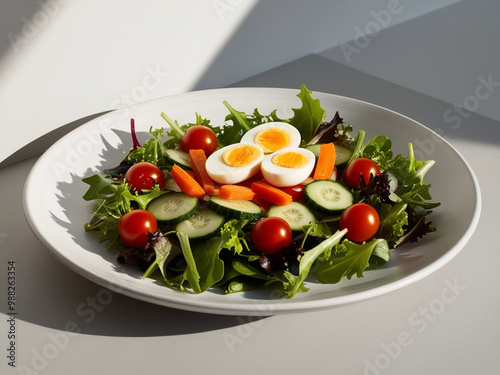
x: 56, y: 211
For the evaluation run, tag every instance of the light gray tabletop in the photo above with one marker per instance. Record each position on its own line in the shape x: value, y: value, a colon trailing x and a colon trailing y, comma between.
x: 67, y: 324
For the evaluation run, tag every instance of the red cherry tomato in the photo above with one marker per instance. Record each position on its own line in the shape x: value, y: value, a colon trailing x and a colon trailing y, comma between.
x: 357, y: 168
x: 143, y: 176
x: 296, y: 192
x: 271, y: 234
x: 361, y: 220
x: 134, y: 226
x: 199, y: 137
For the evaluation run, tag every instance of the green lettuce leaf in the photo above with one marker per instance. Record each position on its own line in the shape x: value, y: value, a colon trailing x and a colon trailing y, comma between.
x: 309, y: 116
x: 233, y: 236
x: 295, y: 283
x: 113, y: 200
x: 190, y: 274
x: 410, y: 173
x: 393, y: 219
x: 350, y: 259
x: 153, y: 151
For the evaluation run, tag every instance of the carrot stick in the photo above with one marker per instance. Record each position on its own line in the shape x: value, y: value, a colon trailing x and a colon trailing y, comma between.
x: 236, y: 192
x: 186, y: 183
x: 326, y: 162
x: 271, y: 193
x: 198, y: 160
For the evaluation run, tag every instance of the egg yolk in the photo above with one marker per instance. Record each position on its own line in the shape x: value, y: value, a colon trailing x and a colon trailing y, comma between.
x: 290, y: 159
x: 272, y: 139
x: 240, y: 156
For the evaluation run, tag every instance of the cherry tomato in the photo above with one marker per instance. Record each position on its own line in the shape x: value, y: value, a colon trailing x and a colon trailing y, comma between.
x: 199, y: 137
x: 271, y: 234
x: 296, y: 192
x: 357, y: 168
x: 134, y: 226
x: 143, y: 176
x: 361, y: 220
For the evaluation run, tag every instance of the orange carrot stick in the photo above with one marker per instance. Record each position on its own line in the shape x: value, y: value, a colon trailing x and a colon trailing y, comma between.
x: 326, y: 162
x: 236, y: 192
x: 198, y: 160
x: 271, y: 193
x: 186, y: 183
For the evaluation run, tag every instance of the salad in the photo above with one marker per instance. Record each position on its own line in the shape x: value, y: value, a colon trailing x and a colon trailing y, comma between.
x: 259, y: 200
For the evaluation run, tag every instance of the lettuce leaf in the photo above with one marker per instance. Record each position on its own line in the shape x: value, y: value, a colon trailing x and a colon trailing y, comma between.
x: 295, y: 283
x: 351, y: 259
x: 393, y: 221
x: 152, y: 151
x: 113, y: 200
x: 309, y: 116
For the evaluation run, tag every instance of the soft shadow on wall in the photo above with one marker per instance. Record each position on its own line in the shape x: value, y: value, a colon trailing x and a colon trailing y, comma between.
x: 276, y: 32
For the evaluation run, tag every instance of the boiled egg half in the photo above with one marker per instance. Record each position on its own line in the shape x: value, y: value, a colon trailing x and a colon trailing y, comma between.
x: 234, y: 163
x: 288, y: 167
x: 273, y: 136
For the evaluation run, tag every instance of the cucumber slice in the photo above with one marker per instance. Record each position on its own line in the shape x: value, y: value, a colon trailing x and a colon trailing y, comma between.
x: 172, y: 208
x: 235, y: 209
x: 314, y: 149
x: 295, y: 214
x: 179, y: 157
x: 342, y: 153
x: 204, y: 224
x: 328, y: 197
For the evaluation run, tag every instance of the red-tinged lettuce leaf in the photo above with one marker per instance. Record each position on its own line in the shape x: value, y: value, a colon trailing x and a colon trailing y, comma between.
x: 417, y: 227
x: 334, y: 131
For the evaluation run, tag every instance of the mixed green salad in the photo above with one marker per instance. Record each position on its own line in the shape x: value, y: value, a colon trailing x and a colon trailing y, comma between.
x: 196, y: 207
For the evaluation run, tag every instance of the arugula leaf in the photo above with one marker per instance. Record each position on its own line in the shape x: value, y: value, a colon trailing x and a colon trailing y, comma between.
x: 309, y: 117
x: 411, y: 173
x: 238, y: 118
x: 350, y: 259
x: 190, y: 274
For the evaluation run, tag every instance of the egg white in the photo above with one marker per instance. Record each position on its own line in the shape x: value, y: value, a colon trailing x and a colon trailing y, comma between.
x: 223, y: 173
x: 295, y: 138
x: 283, y: 176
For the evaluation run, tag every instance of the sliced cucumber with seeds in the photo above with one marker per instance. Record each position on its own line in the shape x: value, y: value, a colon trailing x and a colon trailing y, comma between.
x: 326, y: 196
x: 295, y: 214
x: 179, y: 157
x: 172, y: 208
x: 342, y: 153
x: 235, y: 209
x: 204, y: 224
